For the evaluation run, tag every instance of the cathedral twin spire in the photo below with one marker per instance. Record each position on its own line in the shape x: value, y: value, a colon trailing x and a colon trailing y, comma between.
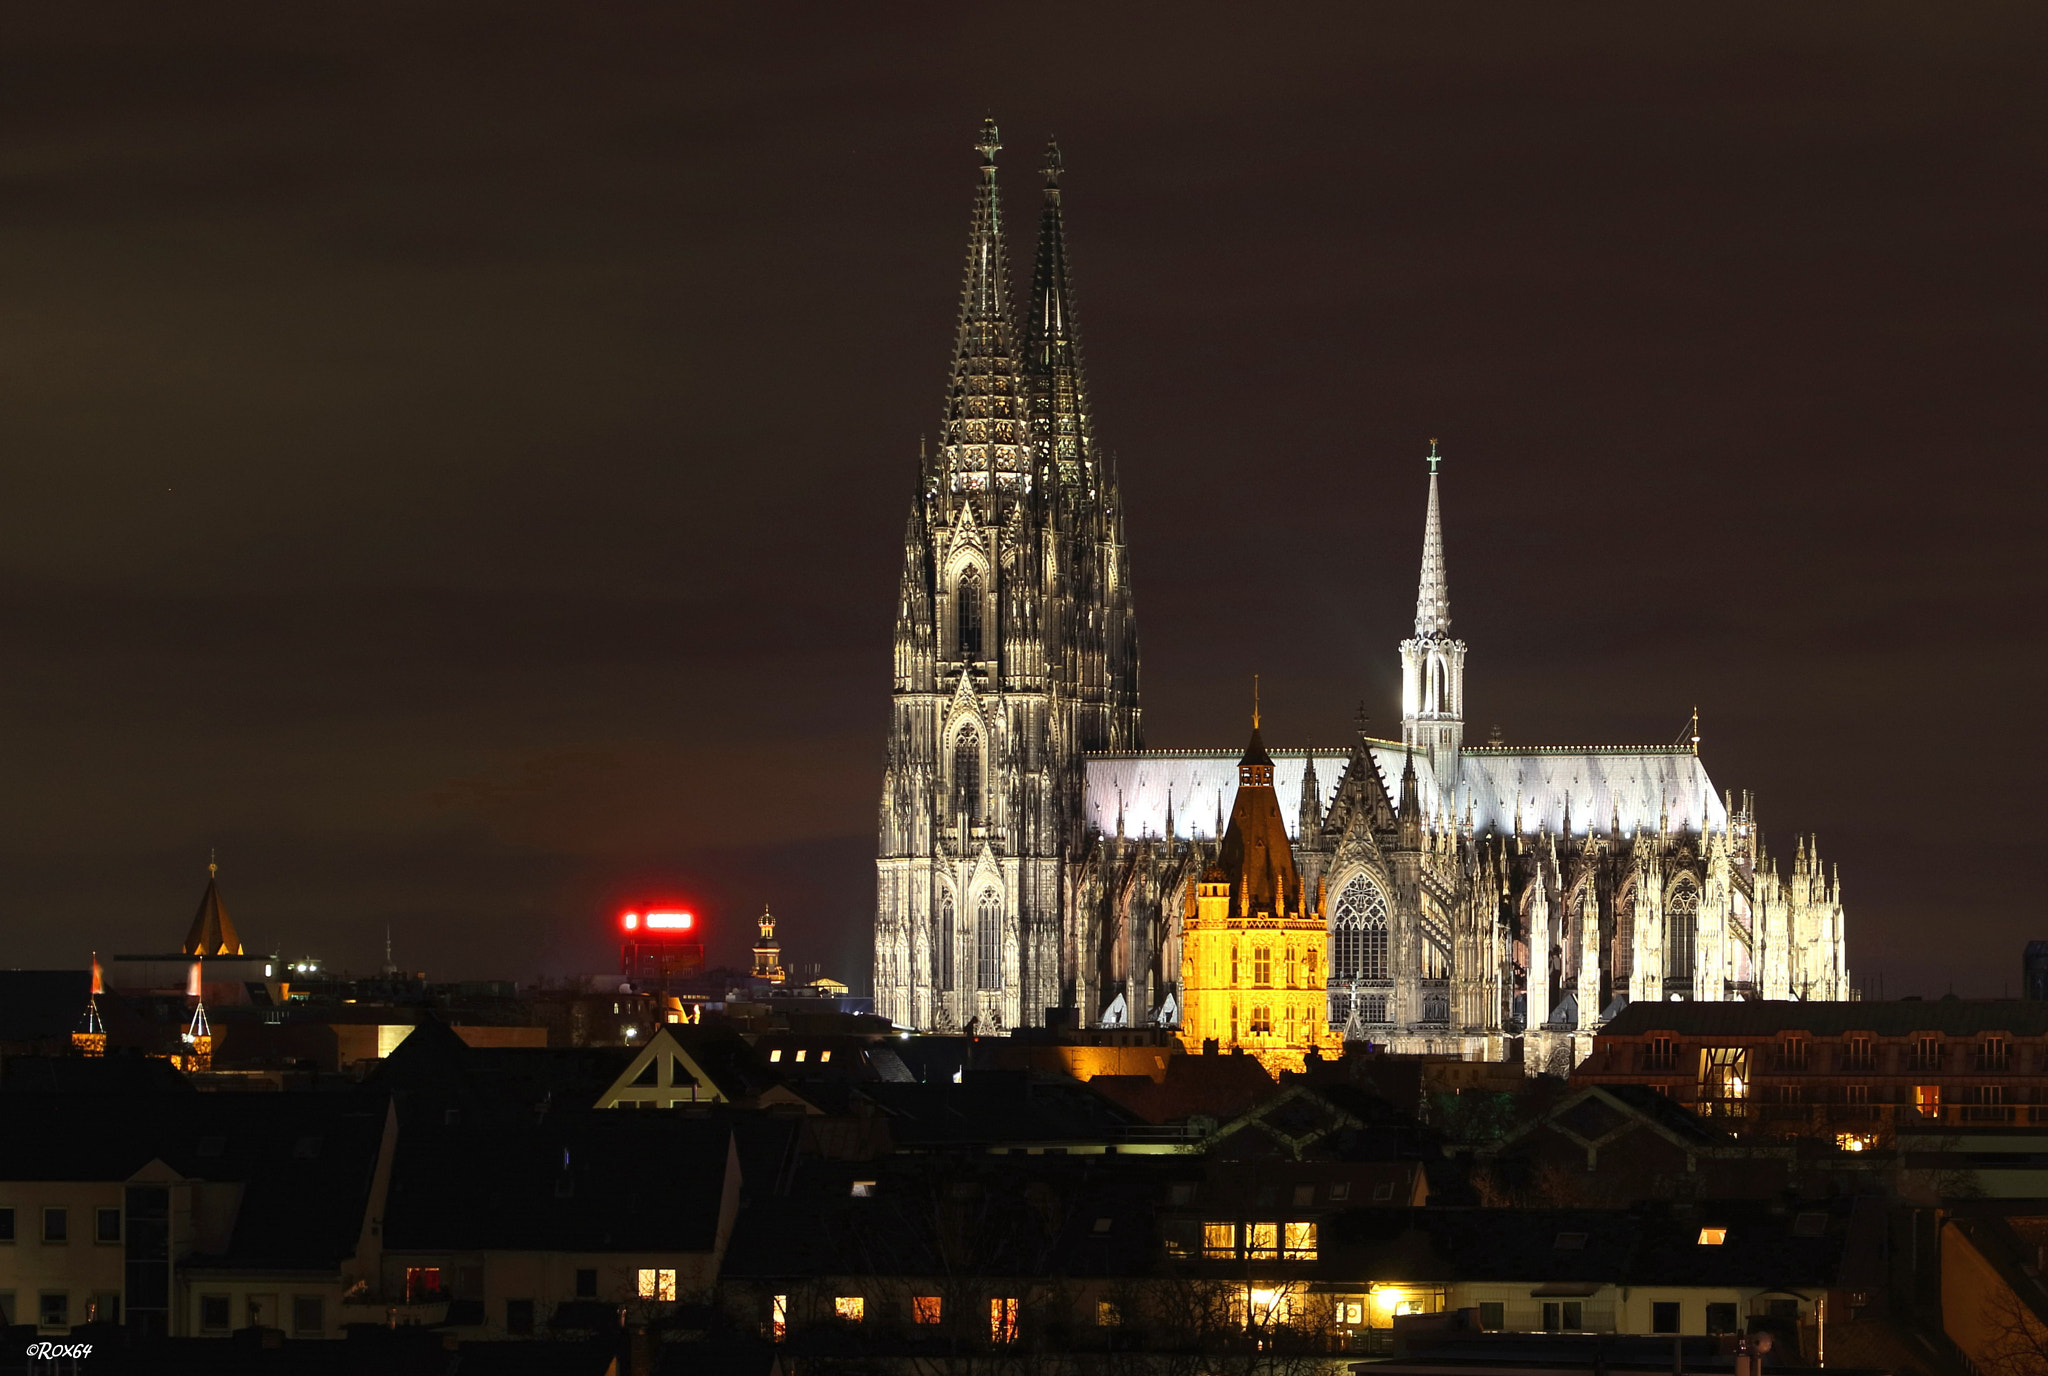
x: 1016, y: 416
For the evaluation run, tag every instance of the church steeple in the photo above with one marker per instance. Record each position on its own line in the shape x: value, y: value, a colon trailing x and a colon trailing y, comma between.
x: 983, y: 439
x: 1061, y: 426
x: 1432, y: 663
x: 1433, y: 595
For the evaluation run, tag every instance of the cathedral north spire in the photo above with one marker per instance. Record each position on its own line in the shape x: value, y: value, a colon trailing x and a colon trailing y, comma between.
x: 983, y: 439
x: 1061, y: 425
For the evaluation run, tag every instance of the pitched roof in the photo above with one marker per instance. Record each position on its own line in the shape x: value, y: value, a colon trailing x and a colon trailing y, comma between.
x: 211, y: 933
x: 595, y: 1180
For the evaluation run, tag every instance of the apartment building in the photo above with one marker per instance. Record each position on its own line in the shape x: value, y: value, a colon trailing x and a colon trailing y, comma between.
x: 1853, y: 1070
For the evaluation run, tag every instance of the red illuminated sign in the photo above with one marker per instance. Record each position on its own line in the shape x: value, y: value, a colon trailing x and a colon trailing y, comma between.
x: 659, y: 922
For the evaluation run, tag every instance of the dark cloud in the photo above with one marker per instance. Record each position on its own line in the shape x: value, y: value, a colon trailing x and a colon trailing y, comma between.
x: 453, y: 454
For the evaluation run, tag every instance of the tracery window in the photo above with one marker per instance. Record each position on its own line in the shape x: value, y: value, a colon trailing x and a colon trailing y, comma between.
x: 1624, y: 958
x: 943, y: 939
x: 967, y: 775
x: 1358, y: 932
x: 1262, y: 966
x: 988, y: 942
x: 968, y: 596
x: 1681, y: 922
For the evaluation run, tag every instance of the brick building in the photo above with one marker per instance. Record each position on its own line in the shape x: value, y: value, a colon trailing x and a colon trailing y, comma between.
x: 1856, y: 1070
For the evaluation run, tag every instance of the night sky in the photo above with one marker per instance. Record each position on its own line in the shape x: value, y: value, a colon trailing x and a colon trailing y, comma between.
x: 455, y: 456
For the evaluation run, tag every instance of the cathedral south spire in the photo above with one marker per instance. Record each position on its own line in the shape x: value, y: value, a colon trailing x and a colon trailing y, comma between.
x: 1433, y: 663
x: 984, y: 442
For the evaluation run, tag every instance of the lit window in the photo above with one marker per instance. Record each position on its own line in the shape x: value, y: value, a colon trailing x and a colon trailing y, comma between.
x: 778, y: 1316
x: 926, y: 1308
x: 1102, y: 1225
x: 1002, y: 1320
x: 1351, y: 1311
x: 1262, y: 1242
x: 421, y: 1282
x: 852, y: 1308
x: 863, y: 1189
x: 1107, y: 1315
x: 1713, y: 1237
x: 1301, y: 1241
x: 1927, y: 1099
x: 799, y: 1054
x: 657, y: 1284
x: 1219, y: 1239
x: 1855, y: 1141
x: 775, y: 1055
x: 824, y: 1056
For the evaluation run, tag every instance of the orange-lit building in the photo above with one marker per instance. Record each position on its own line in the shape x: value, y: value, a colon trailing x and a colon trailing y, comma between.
x: 1254, y: 940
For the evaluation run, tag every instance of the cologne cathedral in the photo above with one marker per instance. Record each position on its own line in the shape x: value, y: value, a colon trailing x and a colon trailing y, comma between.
x: 1036, y: 860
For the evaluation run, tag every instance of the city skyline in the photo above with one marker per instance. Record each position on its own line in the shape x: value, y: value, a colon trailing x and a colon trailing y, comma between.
x: 531, y: 465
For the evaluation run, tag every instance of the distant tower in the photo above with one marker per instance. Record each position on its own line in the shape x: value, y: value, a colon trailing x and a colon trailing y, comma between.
x: 1016, y: 652
x: 1433, y: 664
x: 768, y: 952
x: 90, y: 1036
x: 211, y: 934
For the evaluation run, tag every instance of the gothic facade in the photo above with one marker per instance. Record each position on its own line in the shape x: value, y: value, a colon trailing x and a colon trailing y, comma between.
x: 1477, y: 895
x: 1016, y: 653
x: 1033, y: 856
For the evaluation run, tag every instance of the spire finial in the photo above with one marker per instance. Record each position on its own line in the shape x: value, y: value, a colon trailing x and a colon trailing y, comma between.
x: 1052, y: 166
x: 1255, y: 702
x: 1434, y: 457
x: 212, y: 865
x: 1695, y: 728
x: 990, y: 142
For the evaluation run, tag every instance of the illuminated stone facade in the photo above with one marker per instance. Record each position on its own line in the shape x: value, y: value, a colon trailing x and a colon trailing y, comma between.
x: 1016, y: 653
x: 1446, y: 865
x: 1253, y: 936
x: 1033, y: 856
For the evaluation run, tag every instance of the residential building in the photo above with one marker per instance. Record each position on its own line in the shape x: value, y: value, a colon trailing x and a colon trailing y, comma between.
x: 1854, y: 1071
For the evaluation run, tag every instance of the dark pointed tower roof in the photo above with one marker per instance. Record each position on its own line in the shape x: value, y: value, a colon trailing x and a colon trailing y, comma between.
x: 212, y: 934
x: 1061, y: 424
x: 984, y: 437
x: 1433, y: 596
x: 1255, y: 856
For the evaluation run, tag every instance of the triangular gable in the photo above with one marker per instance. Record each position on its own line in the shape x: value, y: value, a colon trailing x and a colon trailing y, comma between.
x: 663, y: 1075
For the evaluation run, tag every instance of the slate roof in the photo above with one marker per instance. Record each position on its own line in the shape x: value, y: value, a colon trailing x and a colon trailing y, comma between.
x: 597, y: 1180
x: 994, y: 1106
x: 305, y: 1161
x: 1764, y: 1245
x: 1889, y: 1018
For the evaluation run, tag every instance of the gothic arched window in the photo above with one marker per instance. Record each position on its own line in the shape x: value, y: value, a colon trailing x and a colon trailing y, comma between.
x: 1681, y: 922
x: 1358, y: 932
x: 1624, y: 958
x: 988, y: 943
x: 968, y: 597
x: 942, y: 938
x: 967, y: 775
